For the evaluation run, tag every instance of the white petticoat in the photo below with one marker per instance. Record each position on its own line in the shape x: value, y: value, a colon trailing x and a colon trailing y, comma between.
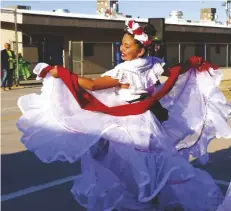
x: 198, y: 112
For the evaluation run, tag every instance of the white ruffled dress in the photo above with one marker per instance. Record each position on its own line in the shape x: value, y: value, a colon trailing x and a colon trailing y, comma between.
x: 128, y: 161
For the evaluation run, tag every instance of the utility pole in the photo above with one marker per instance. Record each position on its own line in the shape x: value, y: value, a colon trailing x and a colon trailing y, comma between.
x: 227, y: 8
x: 16, y: 47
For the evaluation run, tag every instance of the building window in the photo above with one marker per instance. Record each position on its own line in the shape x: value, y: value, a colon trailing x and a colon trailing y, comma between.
x: 218, y: 49
x: 88, y: 49
x: 26, y: 40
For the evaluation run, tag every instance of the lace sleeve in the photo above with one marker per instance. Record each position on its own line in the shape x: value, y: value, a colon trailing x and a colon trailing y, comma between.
x: 118, y: 74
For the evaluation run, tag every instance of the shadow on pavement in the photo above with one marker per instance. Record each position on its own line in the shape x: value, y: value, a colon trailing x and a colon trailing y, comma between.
x: 23, y: 169
x: 218, y: 166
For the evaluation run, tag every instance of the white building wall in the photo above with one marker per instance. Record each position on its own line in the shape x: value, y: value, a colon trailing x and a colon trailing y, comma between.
x: 9, y: 37
x: 9, y: 15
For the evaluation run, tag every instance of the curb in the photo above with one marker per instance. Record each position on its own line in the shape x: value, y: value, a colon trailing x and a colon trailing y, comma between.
x: 30, y: 83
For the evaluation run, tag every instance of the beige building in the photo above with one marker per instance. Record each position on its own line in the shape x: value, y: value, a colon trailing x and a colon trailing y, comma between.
x: 208, y: 14
x: 107, y: 6
x: 86, y: 43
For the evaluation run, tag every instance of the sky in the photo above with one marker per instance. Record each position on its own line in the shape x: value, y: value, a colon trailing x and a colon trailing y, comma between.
x: 142, y: 9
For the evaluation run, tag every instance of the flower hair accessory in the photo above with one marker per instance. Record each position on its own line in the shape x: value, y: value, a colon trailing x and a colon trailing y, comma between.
x: 138, y: 32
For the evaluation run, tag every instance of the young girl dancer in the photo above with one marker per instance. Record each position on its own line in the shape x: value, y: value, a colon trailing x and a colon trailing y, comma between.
x: 129, y: 131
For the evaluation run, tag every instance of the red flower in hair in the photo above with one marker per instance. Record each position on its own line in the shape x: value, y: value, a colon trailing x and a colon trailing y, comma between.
x: 147, y: 43
x: 130, y: 23
x: 138, y: 31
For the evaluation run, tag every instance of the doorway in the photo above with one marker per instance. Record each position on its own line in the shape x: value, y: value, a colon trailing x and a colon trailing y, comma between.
x: 54, y: 46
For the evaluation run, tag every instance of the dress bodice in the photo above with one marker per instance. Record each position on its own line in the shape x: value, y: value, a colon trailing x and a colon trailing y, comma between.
x: 141, y: 74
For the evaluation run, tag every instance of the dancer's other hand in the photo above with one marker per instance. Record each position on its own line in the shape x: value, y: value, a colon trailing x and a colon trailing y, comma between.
x: 54, y: 71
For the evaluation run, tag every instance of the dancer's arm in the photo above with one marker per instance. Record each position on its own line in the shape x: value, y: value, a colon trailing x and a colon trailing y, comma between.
x: 98, y: 84
x: 94, y: 84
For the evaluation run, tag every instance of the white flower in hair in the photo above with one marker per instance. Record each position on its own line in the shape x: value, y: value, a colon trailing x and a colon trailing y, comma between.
x: 132, y: 26
x: 138, y: 32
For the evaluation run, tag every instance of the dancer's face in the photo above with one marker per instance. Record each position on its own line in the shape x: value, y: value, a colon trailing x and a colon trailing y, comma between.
x: 130, y: 49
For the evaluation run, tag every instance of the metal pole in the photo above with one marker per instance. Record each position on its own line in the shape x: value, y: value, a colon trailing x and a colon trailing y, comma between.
x: 70, y: 61
x: 205, y: 51
x: 16, y: 46
x: 227, y: 4
x: 43, y: 51
x: 82, y: 46
x: 229, y: 11
x: 63, y: 56
x: 113, y: 55
x: 227, y: 55
x: 179, y: 52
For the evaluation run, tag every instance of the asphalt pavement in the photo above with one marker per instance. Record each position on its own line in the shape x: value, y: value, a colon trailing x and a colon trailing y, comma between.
x: 30, y: 185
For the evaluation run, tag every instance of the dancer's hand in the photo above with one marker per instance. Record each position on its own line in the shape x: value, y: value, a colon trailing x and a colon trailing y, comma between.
x: 124, y: 86
x: 54, y: 71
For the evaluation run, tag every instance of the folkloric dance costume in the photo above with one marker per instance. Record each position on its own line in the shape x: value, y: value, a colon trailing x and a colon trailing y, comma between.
x: 130, y: 153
